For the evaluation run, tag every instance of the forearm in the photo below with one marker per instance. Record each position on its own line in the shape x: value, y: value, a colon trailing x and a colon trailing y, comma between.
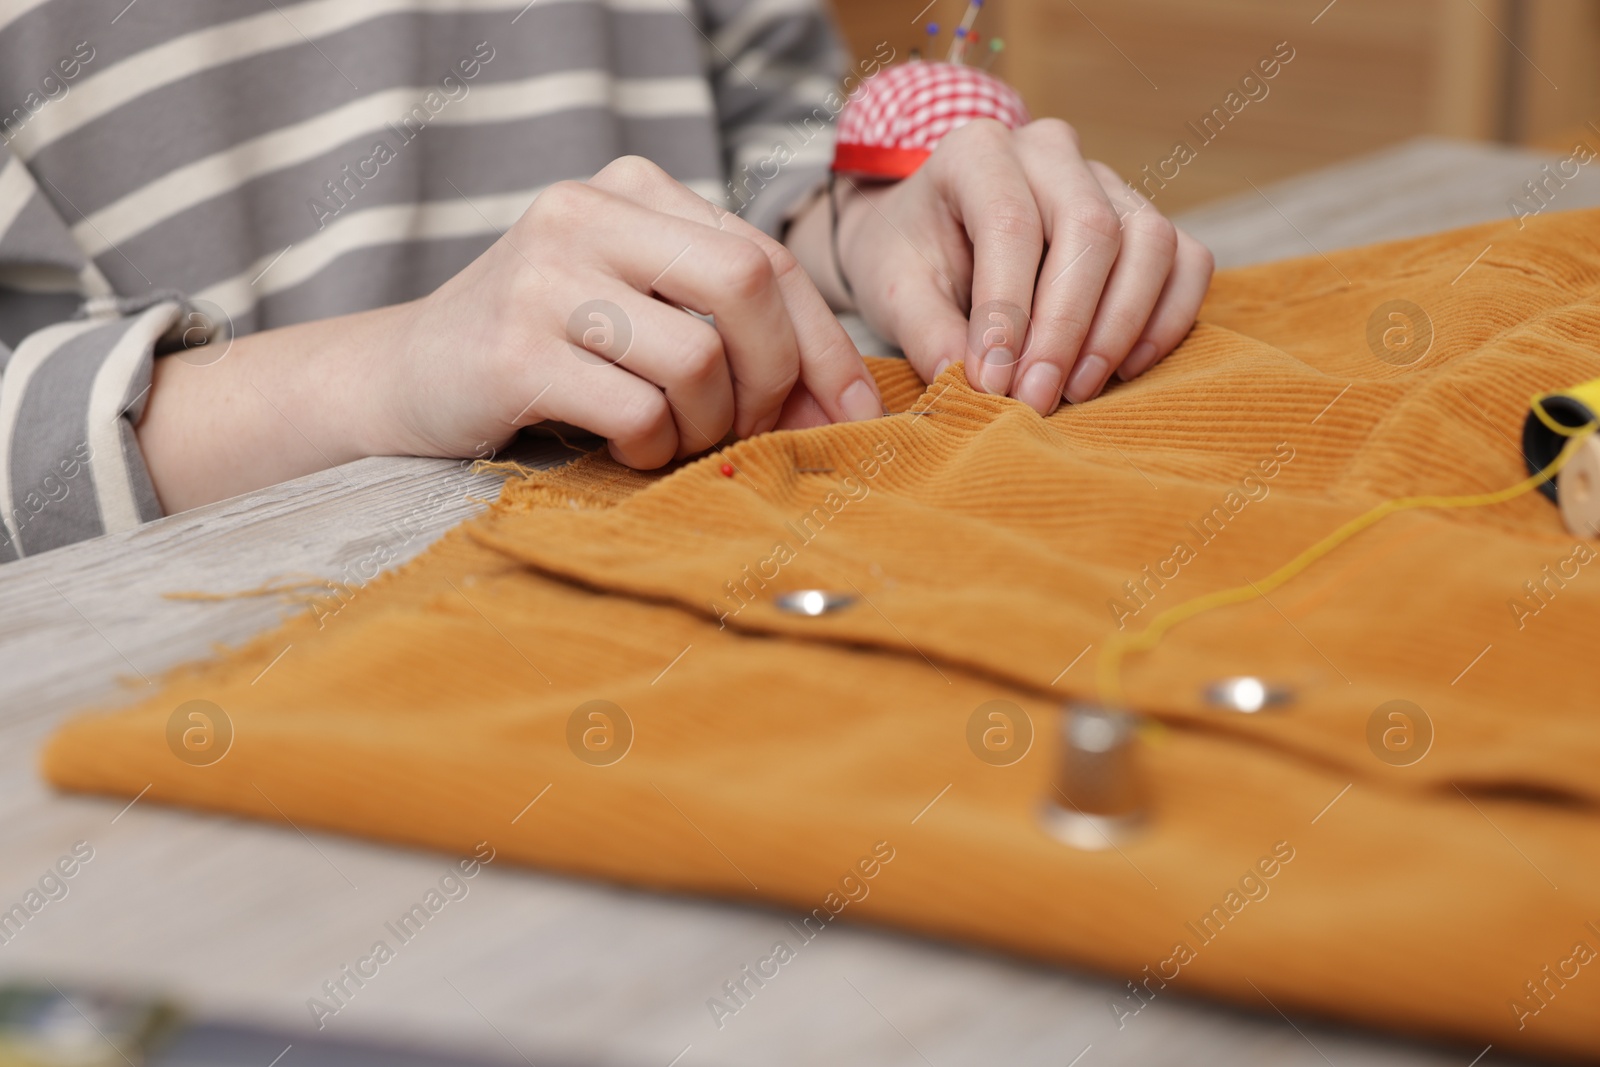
x: 279, y: 404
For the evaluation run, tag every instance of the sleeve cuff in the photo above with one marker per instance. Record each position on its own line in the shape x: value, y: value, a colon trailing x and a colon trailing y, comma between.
x: 70, y: 396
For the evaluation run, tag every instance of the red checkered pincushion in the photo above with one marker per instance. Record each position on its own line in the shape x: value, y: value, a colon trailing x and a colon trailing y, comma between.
x: 902, y: 112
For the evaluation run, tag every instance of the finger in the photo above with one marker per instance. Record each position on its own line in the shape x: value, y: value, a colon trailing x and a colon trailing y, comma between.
x: 1175, y: 310
x: 631, y: 413
x: 1085, y: 240
x: 1144, y: 262
x: 731, y: 280
x: 930, y: 326
x: 981, y: 178
x: 929, y: 292
x: 694, y: 265
x: 830, y: 367
x: 669, y: 348
x: 802, y: 412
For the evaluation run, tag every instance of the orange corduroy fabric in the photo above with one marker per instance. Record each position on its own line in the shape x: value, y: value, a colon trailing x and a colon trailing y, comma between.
x: 992, y: 552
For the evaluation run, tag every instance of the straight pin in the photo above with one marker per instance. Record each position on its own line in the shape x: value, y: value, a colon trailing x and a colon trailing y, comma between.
x: 959, y: 45
x: 996, y: 46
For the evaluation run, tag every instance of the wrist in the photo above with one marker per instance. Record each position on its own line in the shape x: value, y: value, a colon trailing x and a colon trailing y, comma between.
x: 368, y: 361
x: 822, y: 249
x: 855, y: 205
x: 333, y: 380
x: 853, y: 215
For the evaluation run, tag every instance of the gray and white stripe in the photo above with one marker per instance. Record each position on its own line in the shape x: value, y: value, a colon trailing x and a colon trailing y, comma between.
x: 191, y: 153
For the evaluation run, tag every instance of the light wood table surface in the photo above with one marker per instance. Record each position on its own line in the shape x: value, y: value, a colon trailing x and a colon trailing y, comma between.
x: 245, y: 920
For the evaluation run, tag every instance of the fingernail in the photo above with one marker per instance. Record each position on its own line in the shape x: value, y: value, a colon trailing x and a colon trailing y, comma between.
x: 943, y: 363
x: 1087, y: 378
x: 995, y: 377
x: 1041, y: 388
x: 1138, y: 361
x: 860, y: 402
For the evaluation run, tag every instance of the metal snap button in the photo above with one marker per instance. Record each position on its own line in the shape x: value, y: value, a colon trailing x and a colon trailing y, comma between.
x: 813, y: 602
x: 1247, y: 694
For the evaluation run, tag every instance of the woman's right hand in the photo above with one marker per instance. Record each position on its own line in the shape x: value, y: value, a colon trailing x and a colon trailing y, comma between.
x: 577, y: 314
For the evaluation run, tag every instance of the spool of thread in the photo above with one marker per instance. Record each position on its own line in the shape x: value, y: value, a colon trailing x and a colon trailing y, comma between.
x: 1576, y: 490
x: 1097, y: 798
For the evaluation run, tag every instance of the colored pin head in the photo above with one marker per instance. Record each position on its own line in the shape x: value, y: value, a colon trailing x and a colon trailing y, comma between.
x: 889, y: 132
x: 996, y: 46
x: 958, y: 46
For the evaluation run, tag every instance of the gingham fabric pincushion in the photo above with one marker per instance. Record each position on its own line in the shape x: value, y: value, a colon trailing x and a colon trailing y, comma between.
x: 902, y: 112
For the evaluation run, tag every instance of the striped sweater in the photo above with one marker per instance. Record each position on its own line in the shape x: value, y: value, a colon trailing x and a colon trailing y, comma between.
x: 177, y: 170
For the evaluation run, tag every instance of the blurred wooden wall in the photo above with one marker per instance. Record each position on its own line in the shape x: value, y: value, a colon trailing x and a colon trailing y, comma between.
x: 1132, y: 74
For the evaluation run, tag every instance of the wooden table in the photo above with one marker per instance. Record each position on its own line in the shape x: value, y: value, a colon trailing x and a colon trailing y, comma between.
x: 245, y: 920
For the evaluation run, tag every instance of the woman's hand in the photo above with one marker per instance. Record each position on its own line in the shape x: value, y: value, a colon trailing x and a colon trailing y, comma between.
x: 1007, y: 249
x: 577, y: 315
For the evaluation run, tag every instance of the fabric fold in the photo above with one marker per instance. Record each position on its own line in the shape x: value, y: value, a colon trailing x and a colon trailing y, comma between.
x: 978, y: 535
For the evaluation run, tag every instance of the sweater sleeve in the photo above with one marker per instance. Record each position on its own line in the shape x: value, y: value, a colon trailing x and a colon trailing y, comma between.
x: 776, y: 67
x: 75, y: 364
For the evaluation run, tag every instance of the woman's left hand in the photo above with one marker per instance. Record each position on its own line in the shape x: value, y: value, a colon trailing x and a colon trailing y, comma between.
x: 1044, y: 271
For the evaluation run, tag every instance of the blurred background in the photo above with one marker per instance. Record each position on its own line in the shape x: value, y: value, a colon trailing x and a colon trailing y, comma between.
x: 237, y: 922
x: 1131, y: 75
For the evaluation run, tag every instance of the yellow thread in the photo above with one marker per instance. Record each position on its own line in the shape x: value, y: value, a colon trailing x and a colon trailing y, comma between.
x: 1109, y: 667
x: 1537, y: 404
x: 509, y: 467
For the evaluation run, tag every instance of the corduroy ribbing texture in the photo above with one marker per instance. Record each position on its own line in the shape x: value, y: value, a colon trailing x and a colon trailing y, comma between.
x: 991, y: 553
